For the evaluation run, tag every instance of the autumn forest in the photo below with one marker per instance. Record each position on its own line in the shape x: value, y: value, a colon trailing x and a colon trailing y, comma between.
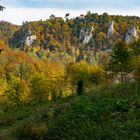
x: 70, y: 78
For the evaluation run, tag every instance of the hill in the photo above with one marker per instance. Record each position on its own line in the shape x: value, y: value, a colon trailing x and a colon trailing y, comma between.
x: 81, y: 38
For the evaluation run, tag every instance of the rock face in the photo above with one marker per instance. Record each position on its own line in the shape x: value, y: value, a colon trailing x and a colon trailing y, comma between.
x: 110, y: 29
x: 131, y: 34
x: 81, y: 35
x: 85, y: 35
x: 29, y: 39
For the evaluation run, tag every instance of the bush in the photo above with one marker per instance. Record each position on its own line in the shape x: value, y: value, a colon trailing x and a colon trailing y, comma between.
x: 32, y: 131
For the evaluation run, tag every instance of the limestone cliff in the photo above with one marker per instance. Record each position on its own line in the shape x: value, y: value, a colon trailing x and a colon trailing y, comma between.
x: 131, y: 34
x: 85, y: 35
x: 29, y: 38
x: 110, y: 29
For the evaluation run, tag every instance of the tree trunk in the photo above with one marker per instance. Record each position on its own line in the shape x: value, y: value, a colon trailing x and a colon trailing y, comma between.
x: 80, y: 87
x: 122, y: 79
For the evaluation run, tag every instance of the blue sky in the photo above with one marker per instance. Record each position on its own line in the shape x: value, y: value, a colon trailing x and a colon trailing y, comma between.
x: 21, y: 10
x: 74, y: 4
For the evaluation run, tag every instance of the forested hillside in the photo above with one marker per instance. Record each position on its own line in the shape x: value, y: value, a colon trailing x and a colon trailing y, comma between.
x: 81, y: 38
x: 7, y: 31
x: 52, y: 59
x: 70, y: 78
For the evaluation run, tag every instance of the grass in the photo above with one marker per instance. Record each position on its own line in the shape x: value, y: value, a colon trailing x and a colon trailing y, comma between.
x: 103, y: 114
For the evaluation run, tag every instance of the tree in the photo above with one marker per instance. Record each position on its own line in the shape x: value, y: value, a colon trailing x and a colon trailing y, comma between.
x: 55, y: 76
x: 2, y: 8
x: 40, y: 88
x: 97, y: 75
x: 119, y: 62
x: 135, y: 47
x: 101, y: 40
x: 12, y: 93
x: 78, y: 74
x: 136, y: 62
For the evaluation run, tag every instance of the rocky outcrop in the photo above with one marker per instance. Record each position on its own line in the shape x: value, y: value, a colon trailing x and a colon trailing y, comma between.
x: 110, y: 29
x: 29, y: 39
x: 85, y: 35
x: 131, y: 34
x: 81, y: 35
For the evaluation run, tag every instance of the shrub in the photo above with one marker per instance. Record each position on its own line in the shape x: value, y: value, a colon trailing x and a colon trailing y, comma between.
x: 32, y: 131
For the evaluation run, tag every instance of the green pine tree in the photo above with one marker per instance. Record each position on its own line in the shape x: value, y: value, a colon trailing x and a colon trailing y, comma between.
x: 119, y: 63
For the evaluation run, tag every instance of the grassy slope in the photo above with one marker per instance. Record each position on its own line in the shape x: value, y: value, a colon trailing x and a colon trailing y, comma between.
x: 99, y: 115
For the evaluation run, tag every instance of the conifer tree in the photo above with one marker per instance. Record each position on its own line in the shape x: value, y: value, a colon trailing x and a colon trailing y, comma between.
x: 119, y: 63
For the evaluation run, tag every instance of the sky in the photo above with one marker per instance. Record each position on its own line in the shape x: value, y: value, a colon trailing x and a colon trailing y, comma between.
x: 18, y: 11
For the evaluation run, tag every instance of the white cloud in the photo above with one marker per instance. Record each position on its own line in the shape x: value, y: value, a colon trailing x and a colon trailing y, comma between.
x: 18, y: 15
